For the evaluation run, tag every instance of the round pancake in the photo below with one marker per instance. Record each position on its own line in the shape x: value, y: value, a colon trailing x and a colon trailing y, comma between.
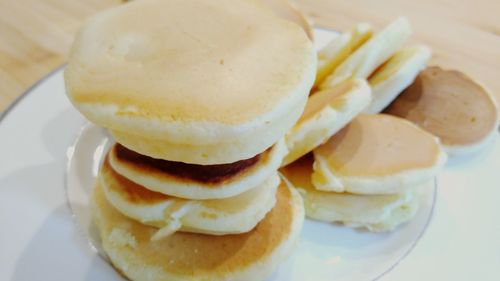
x: 190, y: 256
x: 395, y: 75
x: 374, y: 212
x: 192, y: 73
x: 196, y: 181
x: 373, y: 53
x: 326, y: 113
x: 451, y: 106
x: 236, y: 214
x: 377, y: 154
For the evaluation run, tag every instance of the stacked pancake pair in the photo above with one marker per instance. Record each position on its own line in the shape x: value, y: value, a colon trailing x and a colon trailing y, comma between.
x: 363, y: 170
x: 370, y: 174
x: 198, y: 95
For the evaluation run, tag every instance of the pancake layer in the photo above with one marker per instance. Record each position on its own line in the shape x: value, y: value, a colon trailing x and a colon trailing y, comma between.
x: 196, y: 181
x: 451, y: 106
x: 190, y: 256
x: 377, y: 154
x: 325, y: 114
x: 374, y: 212
x: 147, y: 69
x: 395, y: 75
x: 236, y: 214
x: 373, y: 53
x: 335, y: 52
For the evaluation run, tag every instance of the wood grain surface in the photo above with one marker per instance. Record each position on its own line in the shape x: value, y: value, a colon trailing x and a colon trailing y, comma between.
x: 35, y: 35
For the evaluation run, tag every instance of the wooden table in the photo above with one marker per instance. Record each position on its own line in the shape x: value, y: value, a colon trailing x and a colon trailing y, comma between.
x: 35, y: 35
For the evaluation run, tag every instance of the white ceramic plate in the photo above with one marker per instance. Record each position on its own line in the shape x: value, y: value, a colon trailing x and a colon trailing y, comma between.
x: 50, y: 155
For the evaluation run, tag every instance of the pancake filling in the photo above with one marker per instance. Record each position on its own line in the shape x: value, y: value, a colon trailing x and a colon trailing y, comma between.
x: 211, y: 174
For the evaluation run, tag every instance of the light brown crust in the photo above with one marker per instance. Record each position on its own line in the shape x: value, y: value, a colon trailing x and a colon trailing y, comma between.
x: 190, y: 254
x: 379, y: 145
x: 449, y: 105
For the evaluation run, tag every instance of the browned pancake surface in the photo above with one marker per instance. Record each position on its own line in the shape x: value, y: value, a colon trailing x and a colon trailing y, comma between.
x: 192, y: 254
x: 448, y: 104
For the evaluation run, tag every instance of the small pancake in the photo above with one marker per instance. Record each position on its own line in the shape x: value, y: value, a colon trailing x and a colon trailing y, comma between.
x: 236, y: 214
x: 373, y: 53
x: 196, y: 181
x: 286, y: 10
x: 377, y: 154
x: 326, y: 113
x: 396, y: 75
x: 335, y: 52
x: 373, y: 212
x: 190, y: 256
x: 452, y: 106
x: 192, y: 73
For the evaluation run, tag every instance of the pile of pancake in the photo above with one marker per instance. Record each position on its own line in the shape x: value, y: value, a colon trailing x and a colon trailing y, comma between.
x: 364, y: 169
x: 198, y: 95
x: 370, y: 174
x: 229, y: 127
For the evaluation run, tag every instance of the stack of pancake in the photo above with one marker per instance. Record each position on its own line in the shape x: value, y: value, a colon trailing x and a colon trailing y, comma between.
x: 364, y: 169
x: 198, y: 95
x: 369, y: 174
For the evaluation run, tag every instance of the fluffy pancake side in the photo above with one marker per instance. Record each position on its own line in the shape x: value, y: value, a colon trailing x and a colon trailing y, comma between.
x: 326, y: 113
x: 189, y: 256
x: 373, y: 212
x: 224, y: 152
x: 395, y: 75
x: 196, y: 181
x: 377, y: 154
x: 335, y: 52
x: 216, y: 216
x: 373, y: 53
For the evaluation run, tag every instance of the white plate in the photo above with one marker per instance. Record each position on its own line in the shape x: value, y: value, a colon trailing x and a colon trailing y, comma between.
x: 43, y: 237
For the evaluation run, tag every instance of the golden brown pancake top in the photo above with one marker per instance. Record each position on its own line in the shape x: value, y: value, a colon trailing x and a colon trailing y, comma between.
x: 191, y: 253
x: 448, y: 104
x: 377, y: 145
x: 211, y: 175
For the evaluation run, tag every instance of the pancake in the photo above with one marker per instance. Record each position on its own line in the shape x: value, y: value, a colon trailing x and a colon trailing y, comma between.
x: 377, y: 154
x: 190, y: 256
x: 223, y: 82
x: 335, y: 52
x: 374, y: 212
x: 231, y: 215
x: 326, y: 113
x: 196, y: 181
x: 286, y: 10
x: 214, y: 154
x: 452, y: 106
x: 396, y: 75
x: 373, y: 53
